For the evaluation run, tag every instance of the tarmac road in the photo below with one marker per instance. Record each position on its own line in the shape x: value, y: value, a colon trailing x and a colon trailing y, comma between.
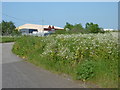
x: 17, y: 73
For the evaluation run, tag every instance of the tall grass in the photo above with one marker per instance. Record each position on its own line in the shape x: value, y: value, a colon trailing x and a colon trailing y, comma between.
x: 4, y: 39
x: 87, y: 57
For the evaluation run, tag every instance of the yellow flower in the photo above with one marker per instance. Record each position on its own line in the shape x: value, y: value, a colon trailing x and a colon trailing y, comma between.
x: 84, y: 80
x: 23, y: 57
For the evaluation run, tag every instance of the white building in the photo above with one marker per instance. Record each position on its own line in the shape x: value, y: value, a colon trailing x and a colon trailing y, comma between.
x: 35, y: 29
x: 108, y: 29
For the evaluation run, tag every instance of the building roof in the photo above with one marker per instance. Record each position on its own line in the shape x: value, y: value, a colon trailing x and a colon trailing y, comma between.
x: 35, y: 26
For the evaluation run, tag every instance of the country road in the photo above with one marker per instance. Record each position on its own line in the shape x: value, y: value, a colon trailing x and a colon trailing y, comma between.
x: 17, y: 73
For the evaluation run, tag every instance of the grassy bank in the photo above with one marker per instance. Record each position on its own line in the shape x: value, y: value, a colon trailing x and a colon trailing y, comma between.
x: 6, y: 39
x: 87, y: 57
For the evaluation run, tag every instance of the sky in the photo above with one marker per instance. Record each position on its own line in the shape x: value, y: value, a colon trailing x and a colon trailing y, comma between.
x: 105, y: 14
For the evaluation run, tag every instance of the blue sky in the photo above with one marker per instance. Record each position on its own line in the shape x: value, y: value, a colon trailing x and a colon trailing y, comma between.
x: 58, y: 13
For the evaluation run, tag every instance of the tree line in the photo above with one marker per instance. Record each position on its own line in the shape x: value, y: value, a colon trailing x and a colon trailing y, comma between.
x: 78, y: 28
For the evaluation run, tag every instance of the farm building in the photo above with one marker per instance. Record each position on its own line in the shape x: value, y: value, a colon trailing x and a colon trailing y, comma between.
x: 33, y: 28
x: 108, y: 29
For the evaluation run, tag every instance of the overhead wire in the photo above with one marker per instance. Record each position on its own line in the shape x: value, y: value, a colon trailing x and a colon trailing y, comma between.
x: 23, y: 20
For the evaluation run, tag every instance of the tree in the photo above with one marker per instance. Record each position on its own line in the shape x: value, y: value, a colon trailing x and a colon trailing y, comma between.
x: 8, y: 28
x: 16, y: 32
x: 78, y: 28
x: 68, y: 26
x: 93, y: 28
x: 86, y: 26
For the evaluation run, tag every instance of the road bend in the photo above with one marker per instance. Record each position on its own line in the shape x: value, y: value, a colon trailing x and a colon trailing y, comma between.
x: 16, y: 73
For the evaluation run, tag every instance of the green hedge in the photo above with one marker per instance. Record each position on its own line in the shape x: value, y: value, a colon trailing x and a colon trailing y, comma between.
x: 87, y: 57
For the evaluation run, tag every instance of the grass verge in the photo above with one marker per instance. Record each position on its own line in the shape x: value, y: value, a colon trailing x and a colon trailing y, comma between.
x: 6, y: 39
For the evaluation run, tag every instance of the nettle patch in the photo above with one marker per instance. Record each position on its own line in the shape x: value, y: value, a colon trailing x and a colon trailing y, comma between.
x: 85, y: 71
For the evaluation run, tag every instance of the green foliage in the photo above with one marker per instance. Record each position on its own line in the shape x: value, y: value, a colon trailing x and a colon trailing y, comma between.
x: 0, y: 28
x: 8, y: 39
x: 61, y: 32
x: 83, y: 56
x: 93, y: 28
x: 68, y: 26
x: 78, y: 28
x: 16, y: 33
x: 85, y: 70
x: 8, y: 28
x: 70, y: 29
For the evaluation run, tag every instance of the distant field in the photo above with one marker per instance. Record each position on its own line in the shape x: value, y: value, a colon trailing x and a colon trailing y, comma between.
x: 86, y: 57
